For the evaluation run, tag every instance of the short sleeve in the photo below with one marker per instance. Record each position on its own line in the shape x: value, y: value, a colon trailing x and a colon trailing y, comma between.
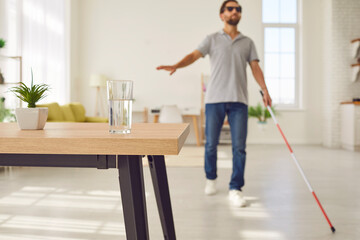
x: 204, y: 46
x: 253, y: 54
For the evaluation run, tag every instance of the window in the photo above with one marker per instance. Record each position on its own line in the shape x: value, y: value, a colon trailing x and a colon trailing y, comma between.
x: 280, y: 21
x: 36, y: 31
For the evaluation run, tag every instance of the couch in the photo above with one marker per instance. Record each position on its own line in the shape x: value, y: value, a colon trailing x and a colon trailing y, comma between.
x: 72, y: 112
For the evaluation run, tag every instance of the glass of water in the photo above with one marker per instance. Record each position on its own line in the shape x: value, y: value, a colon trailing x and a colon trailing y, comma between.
x: 120, y: 97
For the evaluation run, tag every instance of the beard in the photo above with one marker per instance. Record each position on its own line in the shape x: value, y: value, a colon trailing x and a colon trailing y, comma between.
x: 233, y: 21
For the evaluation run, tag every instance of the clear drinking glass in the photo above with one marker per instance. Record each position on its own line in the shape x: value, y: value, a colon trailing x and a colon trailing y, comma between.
x: 120, y: 97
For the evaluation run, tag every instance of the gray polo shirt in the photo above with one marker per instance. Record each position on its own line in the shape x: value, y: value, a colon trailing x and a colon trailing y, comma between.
x: 228, y: 58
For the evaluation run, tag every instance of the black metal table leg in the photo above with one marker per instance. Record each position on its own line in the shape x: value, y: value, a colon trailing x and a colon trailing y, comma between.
x: 133, y: 197
x: 161, y: 189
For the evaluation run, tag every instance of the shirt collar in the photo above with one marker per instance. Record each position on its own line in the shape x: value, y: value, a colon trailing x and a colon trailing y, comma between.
x: 224, y: 33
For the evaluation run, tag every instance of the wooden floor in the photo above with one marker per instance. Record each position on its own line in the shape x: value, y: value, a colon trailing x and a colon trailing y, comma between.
x: 69, y: 204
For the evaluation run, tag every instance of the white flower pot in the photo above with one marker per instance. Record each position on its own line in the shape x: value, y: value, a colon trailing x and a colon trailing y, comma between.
x: 262, y: 125
x: 31, y: 118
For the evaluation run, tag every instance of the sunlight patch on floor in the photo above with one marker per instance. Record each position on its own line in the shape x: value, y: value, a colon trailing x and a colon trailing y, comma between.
x: 58, y: 197
x: 18, y: 236
x: 64, y: 225
x: 261, y: 235
x: 253, y: 209
x: 251, y: 213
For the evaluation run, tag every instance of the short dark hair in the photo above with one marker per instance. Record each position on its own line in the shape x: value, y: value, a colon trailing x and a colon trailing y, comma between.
x: 222, y: 8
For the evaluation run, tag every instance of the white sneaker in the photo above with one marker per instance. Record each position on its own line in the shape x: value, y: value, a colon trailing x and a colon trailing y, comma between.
x: 236, y: 198
x: 210, y: 187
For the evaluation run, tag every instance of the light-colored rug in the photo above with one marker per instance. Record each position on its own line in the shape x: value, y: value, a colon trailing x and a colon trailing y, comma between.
x: 193, y: 156
x: 190, y: 156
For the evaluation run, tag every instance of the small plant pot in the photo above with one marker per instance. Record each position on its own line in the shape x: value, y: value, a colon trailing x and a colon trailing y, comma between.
x: 31, y: 118
x: 262, y: 125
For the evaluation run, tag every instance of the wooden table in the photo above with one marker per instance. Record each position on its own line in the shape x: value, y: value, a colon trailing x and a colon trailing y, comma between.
x: 90, y: 145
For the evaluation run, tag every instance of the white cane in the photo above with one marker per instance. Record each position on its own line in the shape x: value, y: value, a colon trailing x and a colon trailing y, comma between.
x: 298, y: 166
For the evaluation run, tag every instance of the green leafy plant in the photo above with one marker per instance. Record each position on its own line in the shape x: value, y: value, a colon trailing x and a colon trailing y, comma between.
x: 5, y: 114
x: 260, y: 112
x: 30, y: 95
x: 2, y: 43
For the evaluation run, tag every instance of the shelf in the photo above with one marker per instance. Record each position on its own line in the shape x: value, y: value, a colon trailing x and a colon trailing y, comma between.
x: 20, y: 66
x: 12, y: 57
x: 12, y: 83
x: 355, y: 65
x: 350, y: 102
x: 19, y: 59
x: 355, y: 40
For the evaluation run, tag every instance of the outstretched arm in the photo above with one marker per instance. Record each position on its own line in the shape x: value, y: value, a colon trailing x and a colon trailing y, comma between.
x: 259, y: 77
x: 186, y: 61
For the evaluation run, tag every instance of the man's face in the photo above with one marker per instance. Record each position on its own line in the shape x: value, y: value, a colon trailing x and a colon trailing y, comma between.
x: 231, y: 14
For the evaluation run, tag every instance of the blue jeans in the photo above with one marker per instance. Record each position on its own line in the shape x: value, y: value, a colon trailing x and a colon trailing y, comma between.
x: 238, y: 117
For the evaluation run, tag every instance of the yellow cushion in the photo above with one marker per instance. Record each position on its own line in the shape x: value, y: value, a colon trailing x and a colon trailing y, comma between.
x: 67, y: 112
x: 55, y: 114
x: 96, y: 119
x: 78, y: 111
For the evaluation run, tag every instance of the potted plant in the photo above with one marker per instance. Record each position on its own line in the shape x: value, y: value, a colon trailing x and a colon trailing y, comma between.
x: 2, y: 43
x: 31, y: 117
x: 5, y: 114
x: 261, y: 113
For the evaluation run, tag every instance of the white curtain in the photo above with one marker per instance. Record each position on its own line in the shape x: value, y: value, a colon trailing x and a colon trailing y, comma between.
x: 10, y: 31
x: 40, y: 38
x: 44, y: 48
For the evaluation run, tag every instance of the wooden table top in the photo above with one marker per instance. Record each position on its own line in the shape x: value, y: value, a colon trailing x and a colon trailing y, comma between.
x: 94, y: 138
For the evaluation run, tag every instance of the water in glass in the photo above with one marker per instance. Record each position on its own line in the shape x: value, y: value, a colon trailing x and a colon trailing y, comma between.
x: 120, y: 114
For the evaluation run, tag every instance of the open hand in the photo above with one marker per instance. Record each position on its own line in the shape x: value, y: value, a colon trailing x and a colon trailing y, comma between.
x: 169, y: 68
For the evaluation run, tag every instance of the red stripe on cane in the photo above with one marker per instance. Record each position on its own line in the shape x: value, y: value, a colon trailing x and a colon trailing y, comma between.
x: 323, y: 211
x: 282, y: 134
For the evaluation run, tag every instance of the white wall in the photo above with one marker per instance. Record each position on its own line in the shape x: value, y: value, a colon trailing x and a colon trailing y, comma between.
x: 342, y: 21
x: 128, y: 39
x: 74, y: 56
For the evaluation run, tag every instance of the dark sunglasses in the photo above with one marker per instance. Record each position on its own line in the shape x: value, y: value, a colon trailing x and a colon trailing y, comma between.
x: 238, y: 9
